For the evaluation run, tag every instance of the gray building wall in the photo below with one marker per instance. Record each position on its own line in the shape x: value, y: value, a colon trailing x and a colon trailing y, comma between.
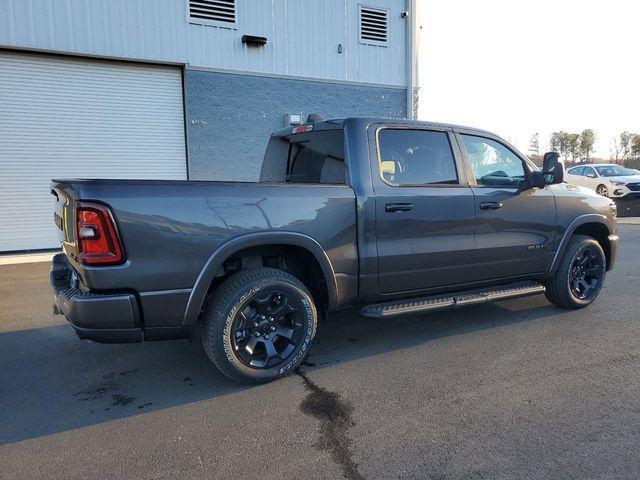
x: 231, y: 116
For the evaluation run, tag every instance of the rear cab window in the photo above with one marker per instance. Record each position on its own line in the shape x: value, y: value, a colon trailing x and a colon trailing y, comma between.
x: 415, y: 157
x: 309, y: 157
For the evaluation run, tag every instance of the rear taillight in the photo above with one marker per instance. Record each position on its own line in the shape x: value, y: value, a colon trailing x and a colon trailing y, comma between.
x: 98, y: 241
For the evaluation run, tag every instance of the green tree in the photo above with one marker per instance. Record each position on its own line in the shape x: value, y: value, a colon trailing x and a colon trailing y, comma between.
x: 558, y: 143
x: 572, y: 141
x: 587, y: 141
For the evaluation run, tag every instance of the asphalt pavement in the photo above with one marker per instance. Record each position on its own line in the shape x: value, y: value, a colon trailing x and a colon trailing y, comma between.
x: 516, y: 389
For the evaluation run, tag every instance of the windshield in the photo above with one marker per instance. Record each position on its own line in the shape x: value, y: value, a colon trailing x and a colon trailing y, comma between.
x: 614, y: 171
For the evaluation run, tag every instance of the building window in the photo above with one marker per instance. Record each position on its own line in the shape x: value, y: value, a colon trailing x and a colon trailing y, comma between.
x: 218, y: 13
x: 374, y: 25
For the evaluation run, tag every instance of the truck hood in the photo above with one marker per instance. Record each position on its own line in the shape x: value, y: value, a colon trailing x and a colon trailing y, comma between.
x: 569, y: 187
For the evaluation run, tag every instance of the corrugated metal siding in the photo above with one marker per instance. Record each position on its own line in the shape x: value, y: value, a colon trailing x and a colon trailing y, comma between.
x: 62, y: 117
x: 303, y: 35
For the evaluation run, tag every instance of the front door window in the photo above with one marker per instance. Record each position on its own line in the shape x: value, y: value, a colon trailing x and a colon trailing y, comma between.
x: 494, y: 164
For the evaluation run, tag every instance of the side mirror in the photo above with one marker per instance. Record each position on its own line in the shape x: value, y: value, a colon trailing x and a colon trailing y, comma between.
x: 537, y: 179
x: 552, y: 169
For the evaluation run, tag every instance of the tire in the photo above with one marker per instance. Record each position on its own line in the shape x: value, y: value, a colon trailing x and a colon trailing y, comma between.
x: 250, y: 310
x: 561, y: 286
x: 602, y: 190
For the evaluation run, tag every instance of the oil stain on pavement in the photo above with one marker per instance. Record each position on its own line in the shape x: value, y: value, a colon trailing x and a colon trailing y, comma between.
x: 334, y: 414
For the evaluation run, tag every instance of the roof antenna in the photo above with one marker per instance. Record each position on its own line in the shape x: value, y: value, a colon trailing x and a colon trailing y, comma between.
x: 314, y: 118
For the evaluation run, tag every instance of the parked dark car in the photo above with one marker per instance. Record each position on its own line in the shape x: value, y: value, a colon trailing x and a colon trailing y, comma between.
x: 390, y: 216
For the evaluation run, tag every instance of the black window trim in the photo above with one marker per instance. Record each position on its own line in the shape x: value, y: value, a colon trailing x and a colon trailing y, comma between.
x: 527, y: 164
x: 462, y: 181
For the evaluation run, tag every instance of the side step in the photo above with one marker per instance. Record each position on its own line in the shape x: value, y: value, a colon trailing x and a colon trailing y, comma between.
x: 451, y: 300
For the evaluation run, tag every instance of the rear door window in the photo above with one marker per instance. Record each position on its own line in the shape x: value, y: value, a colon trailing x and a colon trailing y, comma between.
x: 416, y: 157
x: 589, y: 172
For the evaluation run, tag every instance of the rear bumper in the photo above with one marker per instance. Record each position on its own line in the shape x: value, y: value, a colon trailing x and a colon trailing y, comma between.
x: 613, y: 251
x: 110, y: 318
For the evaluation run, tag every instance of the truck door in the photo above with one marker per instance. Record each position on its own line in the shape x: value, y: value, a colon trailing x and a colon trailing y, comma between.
x: 515, y: 225
x: 424, y: 210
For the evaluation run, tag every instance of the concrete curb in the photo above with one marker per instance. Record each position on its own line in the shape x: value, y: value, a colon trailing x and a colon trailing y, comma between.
x: 26, y: 258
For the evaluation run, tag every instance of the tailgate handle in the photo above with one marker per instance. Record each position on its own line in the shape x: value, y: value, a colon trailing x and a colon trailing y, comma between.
x: 490, y: 205
x: 398, y: 207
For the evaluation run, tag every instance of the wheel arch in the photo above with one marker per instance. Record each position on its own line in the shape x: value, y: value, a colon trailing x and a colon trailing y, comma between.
x: 593, y: 225
x: 261, y: 239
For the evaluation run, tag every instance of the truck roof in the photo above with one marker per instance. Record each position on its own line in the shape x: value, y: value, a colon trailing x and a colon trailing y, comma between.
x: 338, y: 123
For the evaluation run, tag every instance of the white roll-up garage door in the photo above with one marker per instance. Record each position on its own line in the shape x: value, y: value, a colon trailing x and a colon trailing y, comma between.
x: 62, y: 117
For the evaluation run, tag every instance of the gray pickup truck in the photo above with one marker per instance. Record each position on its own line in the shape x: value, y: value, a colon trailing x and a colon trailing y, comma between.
x: 388, y: 216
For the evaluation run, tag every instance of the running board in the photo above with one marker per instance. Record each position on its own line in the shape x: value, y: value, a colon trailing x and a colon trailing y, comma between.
x: 451, y: 300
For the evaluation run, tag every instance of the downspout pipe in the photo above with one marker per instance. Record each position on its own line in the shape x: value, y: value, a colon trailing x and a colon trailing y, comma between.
x: 412, y: 33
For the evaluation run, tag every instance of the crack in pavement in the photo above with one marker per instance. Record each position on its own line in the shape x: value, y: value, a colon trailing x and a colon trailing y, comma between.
x: 334, y: 414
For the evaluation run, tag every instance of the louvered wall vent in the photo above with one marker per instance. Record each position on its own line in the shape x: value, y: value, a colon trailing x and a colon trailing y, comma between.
x: 374, y: 24
x: 213, y: 12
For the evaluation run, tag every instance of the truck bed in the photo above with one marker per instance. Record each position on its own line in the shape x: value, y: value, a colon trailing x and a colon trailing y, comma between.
x: 170, y: 229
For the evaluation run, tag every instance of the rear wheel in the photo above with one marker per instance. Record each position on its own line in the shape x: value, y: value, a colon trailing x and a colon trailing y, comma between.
x: 580, y: 275
x: 259, y: 325
x: 602, y: 190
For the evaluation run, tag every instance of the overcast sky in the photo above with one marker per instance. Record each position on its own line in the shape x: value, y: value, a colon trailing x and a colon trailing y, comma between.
x: 526, y: 66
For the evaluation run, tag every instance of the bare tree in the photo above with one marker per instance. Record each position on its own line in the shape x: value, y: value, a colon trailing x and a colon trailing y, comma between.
x: 534, y: 144
x: 615, y: 151
x: 635, y: 147
x: 625, y: 147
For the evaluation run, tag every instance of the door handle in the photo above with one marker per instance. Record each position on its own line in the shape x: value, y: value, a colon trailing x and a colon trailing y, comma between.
x: 490, y: 205
x: 398, y: 207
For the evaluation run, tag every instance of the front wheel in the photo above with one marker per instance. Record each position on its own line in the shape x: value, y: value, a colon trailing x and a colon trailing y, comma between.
x: 602, y: 190
x: 580, y: 275
x: 259, y: 325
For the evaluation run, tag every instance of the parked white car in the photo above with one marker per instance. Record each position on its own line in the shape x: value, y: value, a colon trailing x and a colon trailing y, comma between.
x: 607, y: 179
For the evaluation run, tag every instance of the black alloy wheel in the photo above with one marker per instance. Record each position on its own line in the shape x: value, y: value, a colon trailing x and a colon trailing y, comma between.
x: 267, y: 328
x: 586, y: 273
x: 259, y: 324
x: 579, y: 277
